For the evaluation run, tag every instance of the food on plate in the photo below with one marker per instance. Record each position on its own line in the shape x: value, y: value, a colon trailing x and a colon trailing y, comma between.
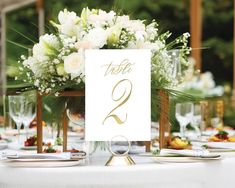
x: 31, y: 141
x: 50, y: 149
x: 221, y: 136
x: 73, y: 151
x: 179, y: 143
x: 231, y: 139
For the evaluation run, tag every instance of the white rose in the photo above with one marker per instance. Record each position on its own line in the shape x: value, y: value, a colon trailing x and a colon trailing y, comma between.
x: 97, y: 37
x: 74, y: 64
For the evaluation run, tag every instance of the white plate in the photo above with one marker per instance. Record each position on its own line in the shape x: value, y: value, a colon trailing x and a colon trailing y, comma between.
x: 182, y: 159
x: 41, y: 163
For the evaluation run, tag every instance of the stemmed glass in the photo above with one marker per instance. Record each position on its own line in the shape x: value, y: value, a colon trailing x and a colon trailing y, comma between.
x: 29, y: 111
x: 197, y: 119
x: 184, y: 114
x: 16, y: 111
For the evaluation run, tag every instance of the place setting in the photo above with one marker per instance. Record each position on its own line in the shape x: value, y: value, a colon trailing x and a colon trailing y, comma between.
x: 43, y: 160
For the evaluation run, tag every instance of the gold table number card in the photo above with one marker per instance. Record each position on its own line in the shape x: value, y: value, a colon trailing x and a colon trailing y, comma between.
x: 118, y: 94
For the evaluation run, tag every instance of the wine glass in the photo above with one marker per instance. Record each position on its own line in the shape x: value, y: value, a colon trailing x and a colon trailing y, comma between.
x: 29, y: 111
x: 16, y: 111
x: 197, y: 119
x: 184, y: 114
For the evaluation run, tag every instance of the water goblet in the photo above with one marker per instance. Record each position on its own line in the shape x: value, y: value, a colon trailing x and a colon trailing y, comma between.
x: 197, y: 119
x: 29, y: 111
x: 16, y: 111
x: 184, y: 114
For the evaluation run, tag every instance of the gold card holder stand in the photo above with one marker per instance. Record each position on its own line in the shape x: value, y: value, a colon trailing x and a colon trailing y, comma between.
x: 118, y: 159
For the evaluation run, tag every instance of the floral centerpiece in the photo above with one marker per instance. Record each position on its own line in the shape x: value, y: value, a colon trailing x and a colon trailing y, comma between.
x: 57, y: 60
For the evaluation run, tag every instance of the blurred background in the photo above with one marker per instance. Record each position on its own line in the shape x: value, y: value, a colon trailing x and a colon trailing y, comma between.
x: 22, y: 29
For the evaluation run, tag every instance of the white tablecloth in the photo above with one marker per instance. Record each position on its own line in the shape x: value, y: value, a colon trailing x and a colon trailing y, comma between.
x: 145, y: 174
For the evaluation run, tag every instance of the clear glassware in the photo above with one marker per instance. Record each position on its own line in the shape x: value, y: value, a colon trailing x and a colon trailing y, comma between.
x: 184, y: 114
x: 16, y: 111
x: 197, y: 119
x: 29, y: 111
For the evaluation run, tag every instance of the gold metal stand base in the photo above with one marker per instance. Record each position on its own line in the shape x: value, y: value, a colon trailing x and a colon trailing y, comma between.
x: 120, y: 160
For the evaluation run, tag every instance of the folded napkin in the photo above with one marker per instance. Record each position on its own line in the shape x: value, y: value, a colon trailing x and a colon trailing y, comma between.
x: 185, y: 152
